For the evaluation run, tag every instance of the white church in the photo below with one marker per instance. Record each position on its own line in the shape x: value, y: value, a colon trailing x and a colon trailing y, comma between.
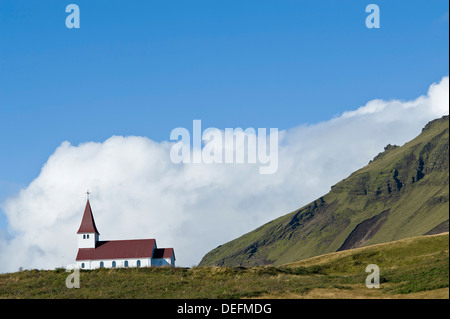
x: 93, y: 253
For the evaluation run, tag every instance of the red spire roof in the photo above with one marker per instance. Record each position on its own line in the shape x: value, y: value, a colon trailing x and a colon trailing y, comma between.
x: 88, y: 223
x: 163, y: 253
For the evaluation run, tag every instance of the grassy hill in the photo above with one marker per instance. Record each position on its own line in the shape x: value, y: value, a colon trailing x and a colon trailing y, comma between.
x: 410, y: 268
x: 403, y: 192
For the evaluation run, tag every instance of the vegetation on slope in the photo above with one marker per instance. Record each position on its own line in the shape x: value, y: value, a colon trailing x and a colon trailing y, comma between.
x: 403, y: 192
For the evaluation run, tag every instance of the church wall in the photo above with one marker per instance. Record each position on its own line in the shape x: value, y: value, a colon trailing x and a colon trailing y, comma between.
x: 163, y: 262
x: 120, y: 263
x: 87, y: 240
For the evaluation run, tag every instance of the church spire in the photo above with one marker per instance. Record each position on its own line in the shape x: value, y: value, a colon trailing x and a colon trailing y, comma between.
x: 88, y: 223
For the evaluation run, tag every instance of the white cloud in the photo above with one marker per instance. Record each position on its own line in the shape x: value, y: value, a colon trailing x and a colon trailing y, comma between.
x: 137, y: 192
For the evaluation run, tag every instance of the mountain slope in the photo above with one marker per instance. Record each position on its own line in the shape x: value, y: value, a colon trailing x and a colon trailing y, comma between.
x: 403, y: 192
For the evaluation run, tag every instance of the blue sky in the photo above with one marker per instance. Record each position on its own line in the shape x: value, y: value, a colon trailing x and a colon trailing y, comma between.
x: 145, y: 67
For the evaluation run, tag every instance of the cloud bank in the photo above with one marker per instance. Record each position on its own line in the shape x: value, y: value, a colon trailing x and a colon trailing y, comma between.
x: 137, y: 192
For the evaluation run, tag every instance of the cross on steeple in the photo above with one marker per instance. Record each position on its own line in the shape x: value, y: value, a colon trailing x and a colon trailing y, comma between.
x: 87, y: 194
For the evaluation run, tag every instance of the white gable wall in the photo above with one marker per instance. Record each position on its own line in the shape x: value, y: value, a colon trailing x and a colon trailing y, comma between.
x: 163, y: 262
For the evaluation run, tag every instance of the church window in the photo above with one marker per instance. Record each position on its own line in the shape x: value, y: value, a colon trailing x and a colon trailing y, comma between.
x: 102, y: 264
x: 87, y: 236
x: 84, y: 236
x: 138, y: 263
x: 114, y: 264
x: 82, y: 265
x: 125, y: 264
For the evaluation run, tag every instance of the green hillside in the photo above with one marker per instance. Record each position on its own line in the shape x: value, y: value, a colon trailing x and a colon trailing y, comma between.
x: 403, y: 192
x: 410, y: 268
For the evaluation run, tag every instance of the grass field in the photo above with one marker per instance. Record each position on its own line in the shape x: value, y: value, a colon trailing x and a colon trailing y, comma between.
x: 410, y: 268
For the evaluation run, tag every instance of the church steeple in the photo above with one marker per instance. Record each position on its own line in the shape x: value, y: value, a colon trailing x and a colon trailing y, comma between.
x: 88, y: 223
x: 88, y: 234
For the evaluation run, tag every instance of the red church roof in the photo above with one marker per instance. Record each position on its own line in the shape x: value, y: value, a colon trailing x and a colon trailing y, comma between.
x: 118, y: 249
x: 88, y: 223
x: 163, y: 253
